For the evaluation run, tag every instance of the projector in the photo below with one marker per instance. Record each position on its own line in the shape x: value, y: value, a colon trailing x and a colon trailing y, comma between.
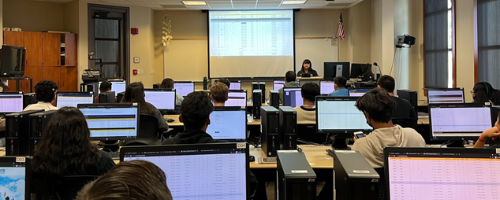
x: 405, y: 39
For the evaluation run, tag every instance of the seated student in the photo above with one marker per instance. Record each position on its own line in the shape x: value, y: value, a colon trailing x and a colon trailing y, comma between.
x: 225, y: 81
x: 103, y: 88
x: 64, y: 150
x: 340, y: 87
x: 168, y: 83
x: 46, y: 95
x: 219, y: 94
x: 290, y: 81
x: 307, y: 112
x: 307, y: 68
x: 377, y: 105
x: 493, y: 133
x: 135, y: 93
x: 132, y: 180
x: 484, y: 92
x: 403, y: 108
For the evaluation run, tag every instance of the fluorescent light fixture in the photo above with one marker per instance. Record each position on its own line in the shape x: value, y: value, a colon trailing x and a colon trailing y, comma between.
x: 194, y: 3
x: 294, y: 2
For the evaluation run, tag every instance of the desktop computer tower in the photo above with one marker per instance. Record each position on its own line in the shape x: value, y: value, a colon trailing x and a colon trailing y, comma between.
x: 17, y: 127
x: 296, y: 178
x: 262, y: 86
x: 90, y: 87
x: 410, y: 96
x: 28, y: 99
x: 354, y: 178
x: 274, y: 98
x: 269, y: 127
x: 257, y: 103
x: 255, y: 85
x: 39, y: 122
x: 108, y: 97
x: 288, y: 128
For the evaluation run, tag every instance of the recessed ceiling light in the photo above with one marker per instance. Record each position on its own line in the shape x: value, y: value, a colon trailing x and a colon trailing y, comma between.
x: 294, y: 2
x: 194, y: 3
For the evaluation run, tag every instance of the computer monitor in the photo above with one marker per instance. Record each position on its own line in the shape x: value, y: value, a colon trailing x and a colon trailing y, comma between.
x: 339, y: 115
x: 228, y: 123
x: 72, y: 99
x: 292, y: 97
x: 335, y: 69
x: 195, y: 171
x: 458, y: 121
x: 11, y: 102
x: 184, y: 88
x: 15, y: 176
x: 237, y: 98
x: 278, y: 84
x: 357, y: 70
x: 445, y: 95
x: 358, y: 92
x: 107, y: 97
x: 326, y: 87
x: 113, y: 121
x: 162, y: 99
x: 116, y: 86
x: 441, y: 173
x: 235, y: 85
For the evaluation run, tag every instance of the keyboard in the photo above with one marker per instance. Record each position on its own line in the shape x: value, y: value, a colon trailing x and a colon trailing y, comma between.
x: 115, y: 155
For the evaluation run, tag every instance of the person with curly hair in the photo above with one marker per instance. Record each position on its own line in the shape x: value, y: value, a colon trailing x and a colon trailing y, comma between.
x: 45, y: 92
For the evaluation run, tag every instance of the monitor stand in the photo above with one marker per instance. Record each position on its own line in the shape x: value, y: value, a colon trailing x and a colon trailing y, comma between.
x: 340, y: 144
x: 456, y: 144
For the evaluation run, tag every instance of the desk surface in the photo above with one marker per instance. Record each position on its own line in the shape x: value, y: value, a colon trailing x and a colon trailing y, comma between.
x: 315, y: 155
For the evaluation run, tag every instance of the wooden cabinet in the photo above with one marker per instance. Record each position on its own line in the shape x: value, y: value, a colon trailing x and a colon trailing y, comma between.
x: 35, y: 72
x: 52, y: 73
x: 13, y: 38
x: 51, y: 49
x: 68, y: 81
x: 34, y: 46
x: 70, y: 50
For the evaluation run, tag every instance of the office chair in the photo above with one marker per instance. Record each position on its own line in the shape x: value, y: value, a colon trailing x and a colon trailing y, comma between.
x: 148, y: 132
x: 406, y: 122
x: 382, y: 190
x: 67, y: 188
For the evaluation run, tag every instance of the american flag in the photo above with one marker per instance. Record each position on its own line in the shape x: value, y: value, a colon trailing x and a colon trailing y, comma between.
x: 341, y: 27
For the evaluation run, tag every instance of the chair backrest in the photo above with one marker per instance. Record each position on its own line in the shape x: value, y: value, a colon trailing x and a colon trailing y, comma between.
x: 406, y: 122
x: 382, y: 190
x: 148, y: 132
x: 71, y: 185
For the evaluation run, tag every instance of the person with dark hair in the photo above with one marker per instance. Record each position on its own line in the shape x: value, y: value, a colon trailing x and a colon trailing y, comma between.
x: 135, y: 93
x: 64, y: 150
x: 307, y: 68
x: 492, y: 133
x: 377, y: 105
x: 131, y: 180
x: 219, y: 94
x: 103, y: 88
x: 340, y: 87
x: 403, y: 108
x: 225, y: 81
x: 484, y: 92
x: 307, y: 112
x: 290, y: 81
x: 46, y: 95
x: 168, y: 83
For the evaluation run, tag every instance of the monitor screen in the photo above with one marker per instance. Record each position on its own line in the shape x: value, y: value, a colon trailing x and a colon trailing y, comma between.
x: 237, y: 98
x: 442, y: 173
x: 72, y: 99
x: 292, y: 97
x: 228, y: 123
x: 278, y: 84
x: 326, y: 87
x: 114, y: 121
x: 11, y: 102
x: 199, y: 171
x: 459, y: 120
x: 235, y: 86
x: 13, y: 178
x: 162, y: 99
x: 116, y: 86
x: 358, y: 92
x: 453, y: 95
x: 184, y: 88
x: 339, y: 115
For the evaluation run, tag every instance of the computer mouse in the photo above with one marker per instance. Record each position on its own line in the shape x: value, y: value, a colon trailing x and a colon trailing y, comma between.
x: 251, y: 158
x: 170, y: 120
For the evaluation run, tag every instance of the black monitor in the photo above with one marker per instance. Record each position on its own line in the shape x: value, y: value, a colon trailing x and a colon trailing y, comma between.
x: 410, y: 96
x: 11, y: 102
x: 237, y: 98
x: 278, y: 84
x: 15, y: 177
x: 358, y: 92
x: 28, y: 99
x: 107, y: 97
x: 326, y: 87
x: 116, y: 86
x: 339, y: 115
x: 184, y: 87
x: 195, y: 171
x: 357, y: 70
x: 72, y: 99
x: 112, y: 121
x: 235, y: 85
x: 441, y: 173
x: 13, y: 61
x: 445, y: 95
x: 334, y: 69
x: 292, y: 96
x: 458, y: 121
x: 228, y: 123
x: 162, y: 99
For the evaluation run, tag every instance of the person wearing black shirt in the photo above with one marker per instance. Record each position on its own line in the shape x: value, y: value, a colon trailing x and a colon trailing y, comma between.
x: 307, y: 68
x: 403, y: 108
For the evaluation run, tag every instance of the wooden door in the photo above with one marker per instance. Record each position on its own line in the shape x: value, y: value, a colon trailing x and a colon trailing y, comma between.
x: 33, y: 43
x: 51, y: 49
x: 52, y: 73
x: 70, y: 49
x: 13, y: 38
x: 69, y: 79
x: 34, y: 72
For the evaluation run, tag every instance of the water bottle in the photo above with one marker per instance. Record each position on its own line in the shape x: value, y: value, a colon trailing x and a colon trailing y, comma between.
x: 205, y: 83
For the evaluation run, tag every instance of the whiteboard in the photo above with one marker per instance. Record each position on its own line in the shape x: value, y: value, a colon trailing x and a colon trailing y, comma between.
x: 316, y: 50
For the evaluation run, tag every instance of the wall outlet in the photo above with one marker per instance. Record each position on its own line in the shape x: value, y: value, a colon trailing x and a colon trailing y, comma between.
x: 137, y: 59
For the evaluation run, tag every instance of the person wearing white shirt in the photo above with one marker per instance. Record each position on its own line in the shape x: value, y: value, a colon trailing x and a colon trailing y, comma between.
x: 46, y: 95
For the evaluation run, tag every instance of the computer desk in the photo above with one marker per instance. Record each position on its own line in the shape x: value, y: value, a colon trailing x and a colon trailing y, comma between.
x: 315, y: 155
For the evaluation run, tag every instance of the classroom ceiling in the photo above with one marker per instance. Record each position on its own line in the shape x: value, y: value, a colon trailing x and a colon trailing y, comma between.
x: 228, y: 4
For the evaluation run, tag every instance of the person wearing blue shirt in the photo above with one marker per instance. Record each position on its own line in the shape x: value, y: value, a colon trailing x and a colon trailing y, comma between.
x: 340, y: 87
